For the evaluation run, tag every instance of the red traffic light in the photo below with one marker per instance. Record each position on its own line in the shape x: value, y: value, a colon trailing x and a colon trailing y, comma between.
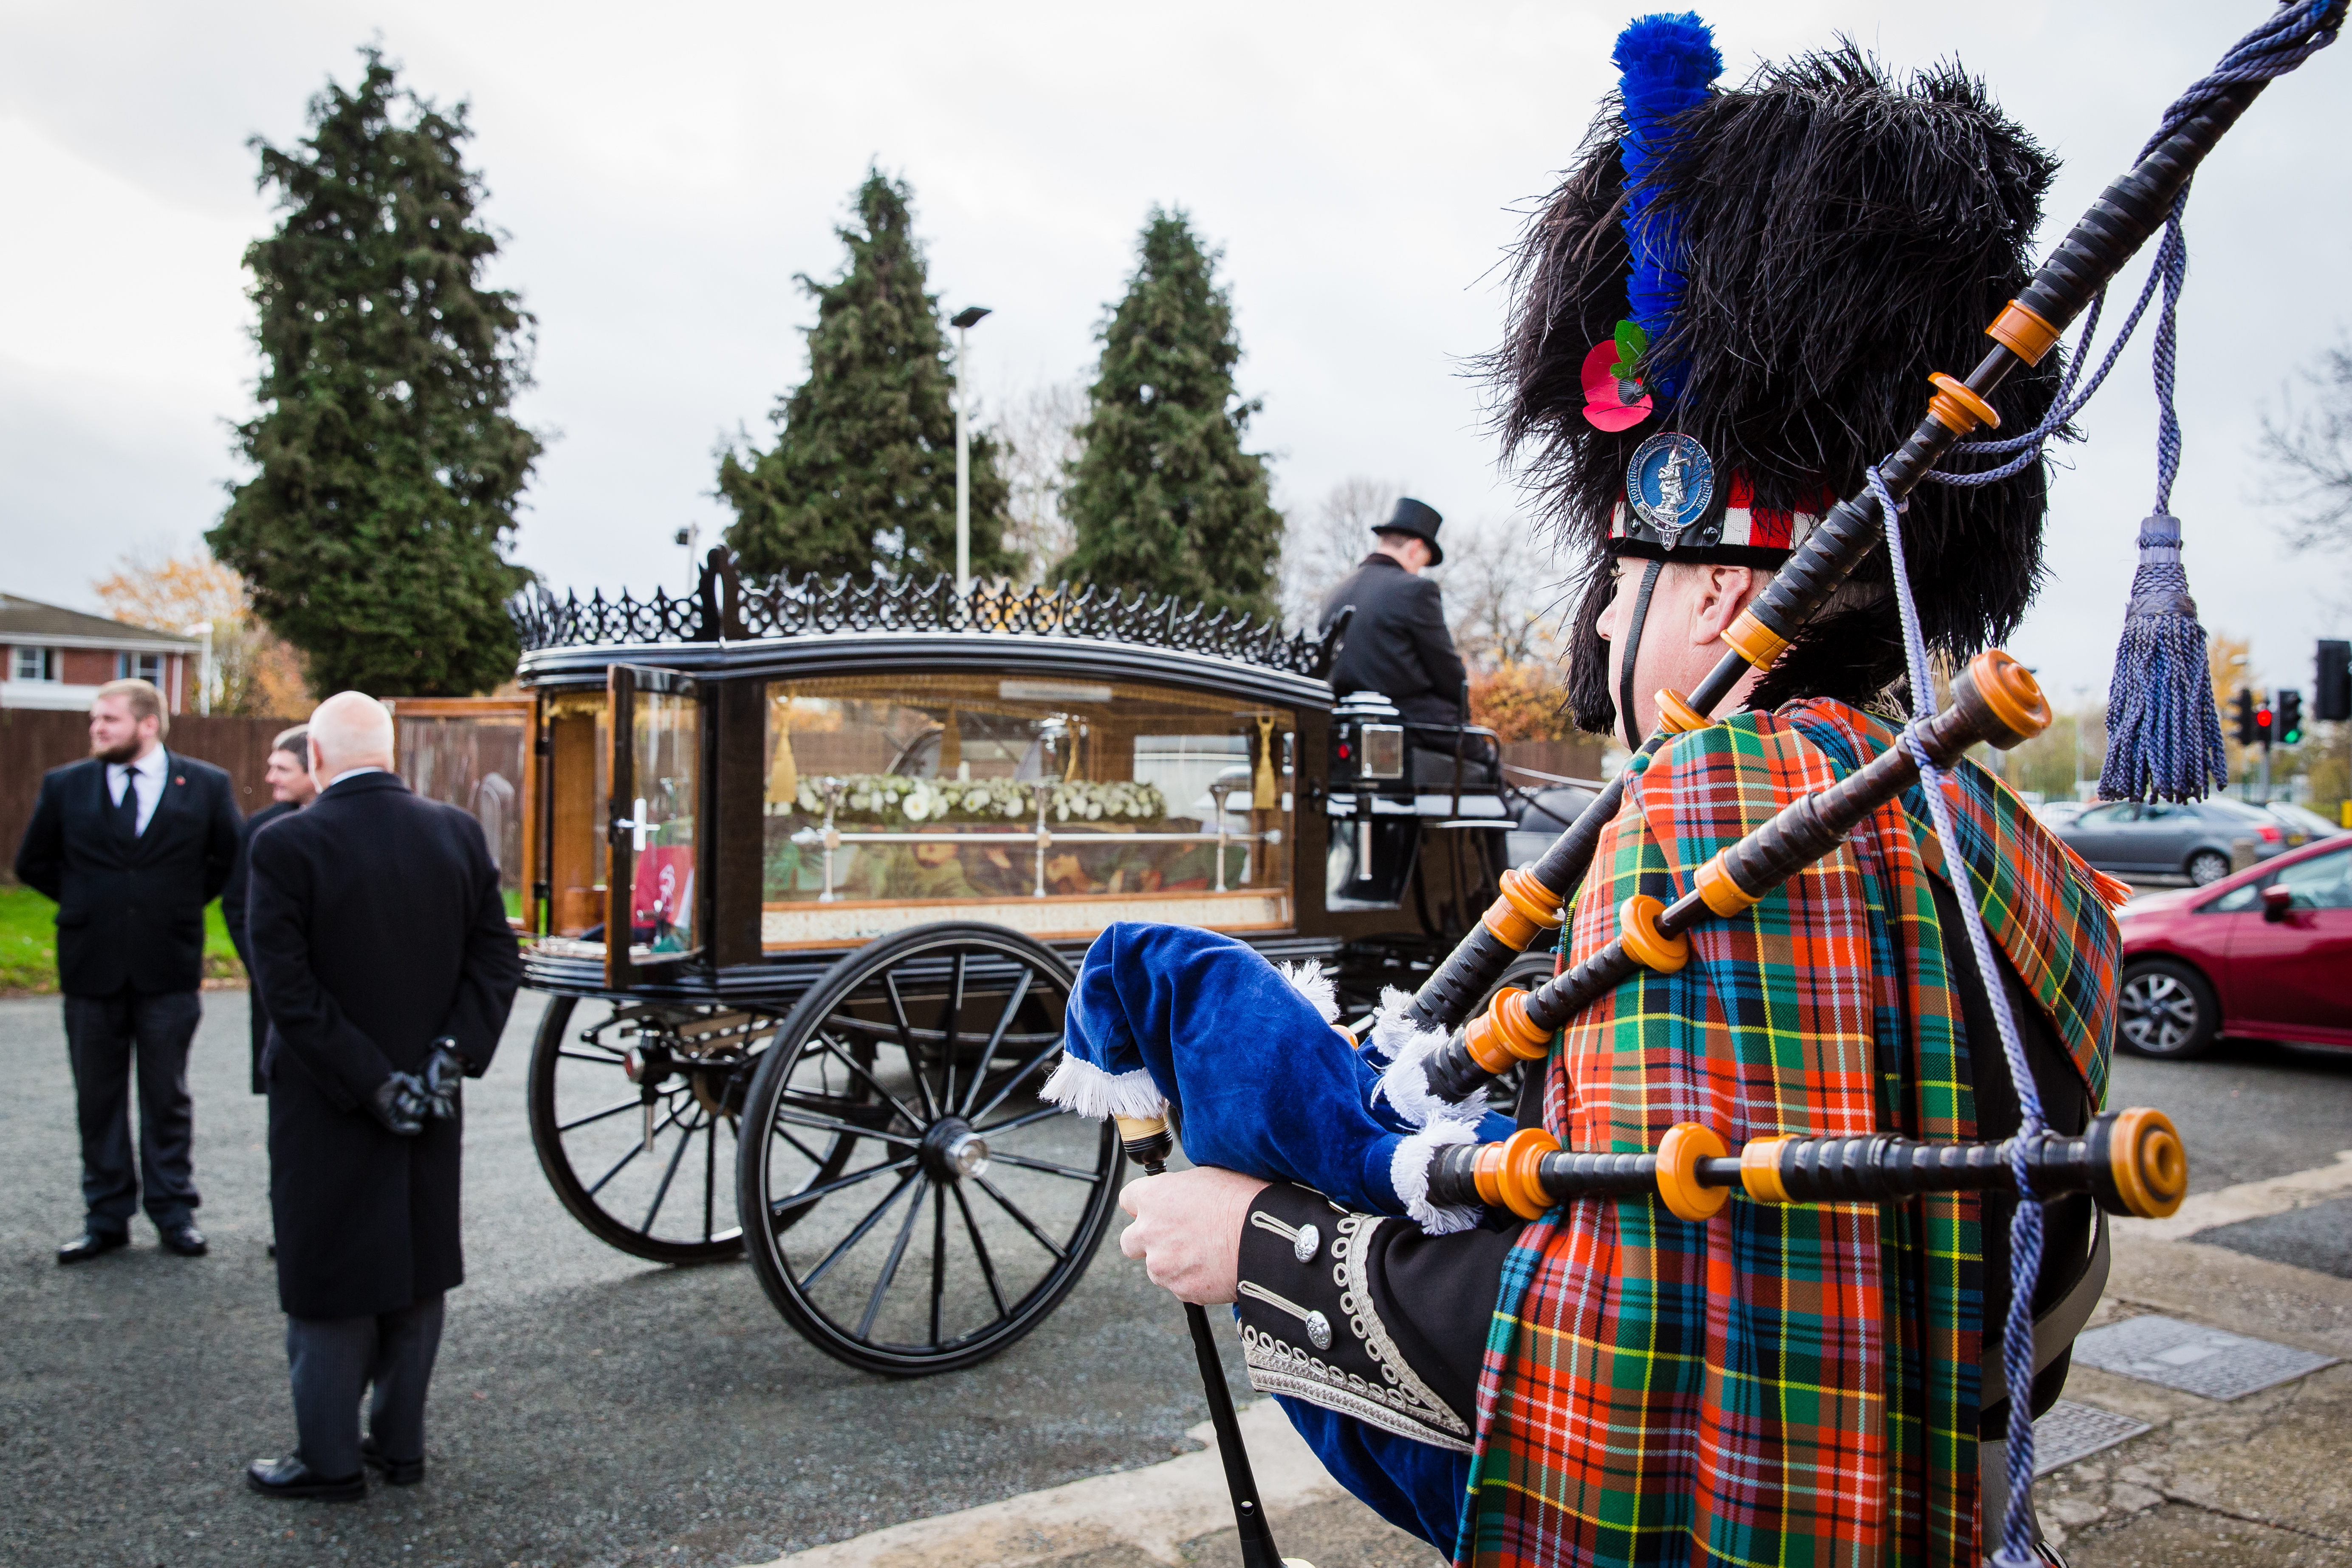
x: 2262, y: 716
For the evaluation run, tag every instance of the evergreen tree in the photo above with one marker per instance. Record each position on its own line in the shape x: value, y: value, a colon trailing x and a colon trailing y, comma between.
x: 862, y: 476
x: 1163, y: 497
x: 372, y: 535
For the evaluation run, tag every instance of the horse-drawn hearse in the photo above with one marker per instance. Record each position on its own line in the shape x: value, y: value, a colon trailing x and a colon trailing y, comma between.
x: 806, y: 871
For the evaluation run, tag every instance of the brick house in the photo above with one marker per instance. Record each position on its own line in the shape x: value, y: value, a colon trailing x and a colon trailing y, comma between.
x: 57, y: 658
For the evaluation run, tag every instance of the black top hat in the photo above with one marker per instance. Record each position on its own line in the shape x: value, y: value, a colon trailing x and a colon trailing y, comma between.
x: 1421, y: 521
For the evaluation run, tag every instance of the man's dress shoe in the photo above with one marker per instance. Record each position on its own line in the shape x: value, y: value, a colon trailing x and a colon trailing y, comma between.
x: 185, y: 1239
x: 89, y: 1243
x: 293, y: 1479
x: 395, y: 1472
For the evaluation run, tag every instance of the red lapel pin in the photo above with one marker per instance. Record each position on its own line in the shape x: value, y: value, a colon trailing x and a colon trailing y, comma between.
x: 180, y: 779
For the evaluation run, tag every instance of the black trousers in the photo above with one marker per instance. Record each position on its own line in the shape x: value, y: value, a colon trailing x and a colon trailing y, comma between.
x: 334, y: 1360
x: 105, y: 1036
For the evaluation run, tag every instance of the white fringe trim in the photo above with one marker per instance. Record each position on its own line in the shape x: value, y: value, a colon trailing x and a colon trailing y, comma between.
x: 1309, y: 979
x: 1404, y: 1082
x: 1409, y: 1174
x: 1082, y: 1087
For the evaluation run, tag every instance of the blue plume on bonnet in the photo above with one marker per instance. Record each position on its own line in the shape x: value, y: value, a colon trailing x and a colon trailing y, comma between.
x: 1668, y: 63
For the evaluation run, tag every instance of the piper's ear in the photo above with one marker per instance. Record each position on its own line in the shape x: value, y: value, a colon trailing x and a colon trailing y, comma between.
x: 1725, y: 593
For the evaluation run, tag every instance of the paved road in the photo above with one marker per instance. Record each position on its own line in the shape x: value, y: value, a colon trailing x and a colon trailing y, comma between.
x: 591, y: 1409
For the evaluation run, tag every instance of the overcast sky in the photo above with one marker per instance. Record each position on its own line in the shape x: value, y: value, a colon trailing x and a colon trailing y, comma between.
x: 663, y: 173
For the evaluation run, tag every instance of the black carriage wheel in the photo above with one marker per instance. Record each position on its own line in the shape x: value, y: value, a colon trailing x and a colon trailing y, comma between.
x: 633, y: 1108
x: 973, y: 1205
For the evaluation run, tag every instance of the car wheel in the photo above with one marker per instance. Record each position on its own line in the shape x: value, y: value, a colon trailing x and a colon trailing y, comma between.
x: 2208, y: 866
x: 2166, y: 1010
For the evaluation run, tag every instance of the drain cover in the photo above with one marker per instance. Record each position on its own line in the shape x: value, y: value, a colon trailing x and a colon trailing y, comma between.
x: 2067, y: 1432
x: 2194, y: 1360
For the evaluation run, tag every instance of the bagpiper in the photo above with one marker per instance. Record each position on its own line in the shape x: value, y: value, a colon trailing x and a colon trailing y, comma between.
x: 1722, y: 318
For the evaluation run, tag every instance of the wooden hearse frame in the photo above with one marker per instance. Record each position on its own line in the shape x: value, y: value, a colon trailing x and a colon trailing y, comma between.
x: 857, y: 838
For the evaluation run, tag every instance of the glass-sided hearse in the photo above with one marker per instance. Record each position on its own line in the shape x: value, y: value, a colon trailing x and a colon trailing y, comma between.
x: 807, y: 872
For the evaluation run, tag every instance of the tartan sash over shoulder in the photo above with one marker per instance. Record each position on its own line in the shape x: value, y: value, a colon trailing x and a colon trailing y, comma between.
x: 1781, y: 1386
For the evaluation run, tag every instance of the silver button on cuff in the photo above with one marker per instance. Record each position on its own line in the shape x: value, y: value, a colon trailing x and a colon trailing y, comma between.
x: 1318, y: 1330
x: 1306, y: 1244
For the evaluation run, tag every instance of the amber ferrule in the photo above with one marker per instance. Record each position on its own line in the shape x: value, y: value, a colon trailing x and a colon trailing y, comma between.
x: 2146, y: 1162
x: 1637, y: 928
x: 1504, y: 1034
x: 1486, y: 1175
x: 2023, y: 332
x: 2009, y: 691
x: 1720, y: 892
x: 1679, y: 1152
x: 1957, y: 407
x: 1676, y: 714
x: 1525, y: 909
x: 1759, y: 1168
x: 1754, y: 641
x: 1518, y: 1177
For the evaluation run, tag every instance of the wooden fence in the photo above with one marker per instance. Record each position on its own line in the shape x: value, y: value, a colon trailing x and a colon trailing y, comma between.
x: 33, y: 741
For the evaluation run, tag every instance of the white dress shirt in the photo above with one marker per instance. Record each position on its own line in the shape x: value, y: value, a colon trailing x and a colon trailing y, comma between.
x: 145, y: 775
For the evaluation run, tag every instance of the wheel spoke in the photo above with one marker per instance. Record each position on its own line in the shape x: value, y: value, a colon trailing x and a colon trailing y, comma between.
x: 636, y: 1149
x: 833, y: 1049
x: 889, y: 1268
x: 1020, y: 1121
x: 1008, y: 1206
x: 668, y: 1174
x: 948, y: 1033
x: 1026, y: 1163
x: 980, y: 1249
x: 600, y: 1115
x: 873, y: 1216
x: 996, y: 1042
x: 808, y: 1154
x: 803, y: 1198
x: 610, y: 1060
x: 1004, y: 1089
x: 906, y: 1044
x: 939, y: 1259
x: 847, y: 1130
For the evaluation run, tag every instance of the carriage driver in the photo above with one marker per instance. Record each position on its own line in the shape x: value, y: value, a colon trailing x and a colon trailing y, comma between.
x: 1610, y: 1384
x: 1397, y: 644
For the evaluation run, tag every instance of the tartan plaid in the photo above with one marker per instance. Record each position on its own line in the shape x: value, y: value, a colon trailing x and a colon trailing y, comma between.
x: 1781, y: 1385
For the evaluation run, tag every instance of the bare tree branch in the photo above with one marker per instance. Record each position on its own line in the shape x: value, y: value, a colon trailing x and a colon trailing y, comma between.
x: 2310, y: 455
x: 1038, y: 430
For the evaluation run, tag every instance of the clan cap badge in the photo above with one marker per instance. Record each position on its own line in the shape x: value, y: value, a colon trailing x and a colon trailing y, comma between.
x: 1669, y: 483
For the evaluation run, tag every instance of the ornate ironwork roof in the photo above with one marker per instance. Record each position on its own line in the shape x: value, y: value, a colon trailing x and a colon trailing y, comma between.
x: 723, y: 608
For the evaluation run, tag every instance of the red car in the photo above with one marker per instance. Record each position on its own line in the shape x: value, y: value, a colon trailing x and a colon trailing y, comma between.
x: 2265, y: 952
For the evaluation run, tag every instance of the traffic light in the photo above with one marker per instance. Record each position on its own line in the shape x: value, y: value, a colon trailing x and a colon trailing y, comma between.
x: 2244, y: 714
x: 2333, y: 697
x: 2266, y: 728
x: 2290, y: 717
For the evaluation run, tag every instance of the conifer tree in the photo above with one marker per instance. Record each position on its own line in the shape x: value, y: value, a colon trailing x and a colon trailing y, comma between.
x: 374, y: 533
x: 862, y: 476
x: 1163, y: 497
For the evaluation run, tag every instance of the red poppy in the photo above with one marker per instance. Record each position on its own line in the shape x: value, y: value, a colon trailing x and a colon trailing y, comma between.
x: 1609, y: 403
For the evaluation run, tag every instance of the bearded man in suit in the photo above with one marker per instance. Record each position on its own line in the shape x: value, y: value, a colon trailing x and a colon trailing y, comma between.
x: 132, y: 843
x: 383, y: 955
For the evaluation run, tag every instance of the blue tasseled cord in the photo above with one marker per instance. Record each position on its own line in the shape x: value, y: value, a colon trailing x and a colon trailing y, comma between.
x: 2164, y: 734
x: 2025, y: 1226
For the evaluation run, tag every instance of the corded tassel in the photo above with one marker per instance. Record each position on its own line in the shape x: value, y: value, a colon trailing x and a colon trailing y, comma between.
x: 2164, y: 734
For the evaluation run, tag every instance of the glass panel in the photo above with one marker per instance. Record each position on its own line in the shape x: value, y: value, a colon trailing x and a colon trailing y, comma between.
x: 474, y: 763
x: 579, y: 758
x: 1049, y: 799
x: 666, y: 751
x: 2322, y: 882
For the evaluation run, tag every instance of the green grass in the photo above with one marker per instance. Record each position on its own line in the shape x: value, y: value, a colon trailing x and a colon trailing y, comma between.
x: 28, y: 942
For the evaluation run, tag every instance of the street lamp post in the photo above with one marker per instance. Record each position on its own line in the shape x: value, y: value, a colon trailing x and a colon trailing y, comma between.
x: 963, y: 321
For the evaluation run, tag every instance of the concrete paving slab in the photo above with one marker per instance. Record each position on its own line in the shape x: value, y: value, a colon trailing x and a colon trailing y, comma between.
x: 2173, y: 1536
x: 2193, y: 1358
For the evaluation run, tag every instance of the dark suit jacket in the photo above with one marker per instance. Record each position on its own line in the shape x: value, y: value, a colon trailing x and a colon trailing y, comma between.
x: 376, y: 928
x: 232, y: 915
x: 131, y: 916
x: 1397, y: 645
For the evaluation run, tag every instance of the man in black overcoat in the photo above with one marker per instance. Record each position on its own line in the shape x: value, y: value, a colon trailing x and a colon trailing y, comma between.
x: 288, y: 774
x: 1397, y: 644
x: 132, y: 843
x: 382, y: 950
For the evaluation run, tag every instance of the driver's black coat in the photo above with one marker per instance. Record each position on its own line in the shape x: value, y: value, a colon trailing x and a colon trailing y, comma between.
x: 376, y: 927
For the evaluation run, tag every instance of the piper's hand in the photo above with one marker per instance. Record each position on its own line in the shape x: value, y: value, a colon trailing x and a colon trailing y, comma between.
x: 1188, y: 1230
x: 444, y: 1070
x: 399, y: 1103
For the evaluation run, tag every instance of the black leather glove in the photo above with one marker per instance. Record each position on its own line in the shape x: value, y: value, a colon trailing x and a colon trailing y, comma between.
x: 399, y: 1103
x: 444, y: 1070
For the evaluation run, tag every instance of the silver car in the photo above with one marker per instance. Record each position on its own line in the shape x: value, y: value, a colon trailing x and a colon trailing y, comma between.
x: 2160, y: 838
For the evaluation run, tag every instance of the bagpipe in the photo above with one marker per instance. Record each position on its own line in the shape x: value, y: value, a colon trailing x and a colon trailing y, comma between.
x: 2129, y: 1161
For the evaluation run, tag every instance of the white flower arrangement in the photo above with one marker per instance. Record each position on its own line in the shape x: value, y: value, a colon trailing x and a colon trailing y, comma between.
x: 896, y: 800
